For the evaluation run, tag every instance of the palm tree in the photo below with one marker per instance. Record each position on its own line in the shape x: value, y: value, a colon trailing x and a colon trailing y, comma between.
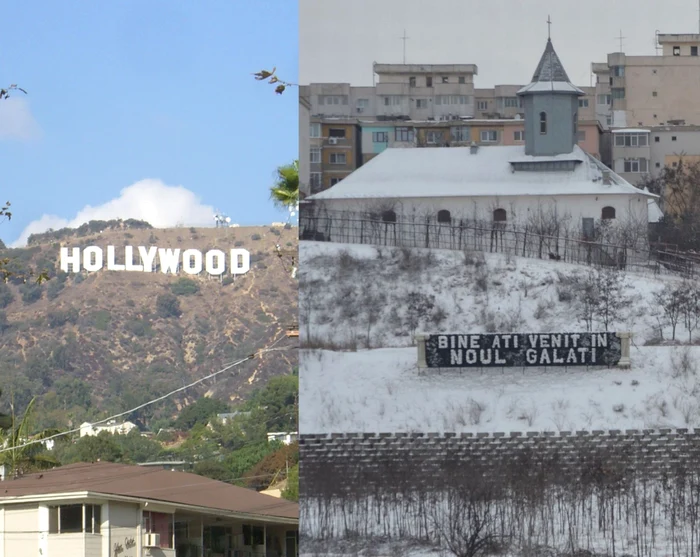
x: 30, y: 458
x: 285, y: 191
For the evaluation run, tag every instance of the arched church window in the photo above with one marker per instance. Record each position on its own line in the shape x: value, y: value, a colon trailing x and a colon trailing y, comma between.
x: 389, y: 216
x: 608, y: 213
x: 543, y: 122
x: 500, y: 215
x: 444, y: 217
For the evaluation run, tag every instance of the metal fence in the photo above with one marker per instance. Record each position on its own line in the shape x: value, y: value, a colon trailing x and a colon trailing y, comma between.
x: 497, y: 237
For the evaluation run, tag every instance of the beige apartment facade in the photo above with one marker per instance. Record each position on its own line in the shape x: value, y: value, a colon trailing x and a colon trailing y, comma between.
x: 114, y: 510
x: 641, y: 153
x: 645, y: 91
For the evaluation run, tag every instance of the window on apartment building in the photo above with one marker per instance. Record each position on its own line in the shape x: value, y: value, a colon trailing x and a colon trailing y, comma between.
x: 618, y: 92
x: 460, y: 133
x: 693, y: 50
x: 433, y: 137
x: 337, y: 158
x: 658, y: 165
x: 676, y: 50
x: 380, y: 137
x: 581, y: 135
x: 657, y: 139
x: 429, y: 81
x: 631, y: 140
x: 334, y: 181
x: 412, y: 81
x: 73, y: 519
x: 518, y: 135
x: 315, y: 155
x: 605, y: 99
x: 445, y: 79
x: 315, y: 180
x: 403, y: 134
x: 583, y: 103
x: 483, y: 105
x: 608, y: 120
x: 159, y: 523
x: 362, y: 104
x: 543, y: 123
x: 673, y: 138
x: 392, y: 100
x: 330, y: 100
x: 635, y: 165
x: 421, y: 103
x: 617, y: 71
x: 315, y: 130
x: 511, y: 102
x: 253, y: 535
x: 654, y: 94
x: 489, y: 136
x: 674, y: 164
x: 336, y: 132
x: 462, y: 80
x: 450, y: 100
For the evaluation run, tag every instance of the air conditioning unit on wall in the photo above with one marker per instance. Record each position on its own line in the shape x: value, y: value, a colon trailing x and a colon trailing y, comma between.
x: 333, y: 140
x: 151, y: 540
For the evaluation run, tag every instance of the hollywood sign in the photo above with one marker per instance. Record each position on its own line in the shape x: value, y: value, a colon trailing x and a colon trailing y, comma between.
x: 523, y: 350
x: 191, y: 261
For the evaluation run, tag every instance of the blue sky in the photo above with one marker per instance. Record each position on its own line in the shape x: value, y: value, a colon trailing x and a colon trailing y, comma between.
x: 129, y: 99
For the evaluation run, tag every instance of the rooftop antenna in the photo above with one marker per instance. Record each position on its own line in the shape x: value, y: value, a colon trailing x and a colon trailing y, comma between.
x: 549, y: 28
x: 620, y: 39
x: 657, y: 46
x: 404, y: 39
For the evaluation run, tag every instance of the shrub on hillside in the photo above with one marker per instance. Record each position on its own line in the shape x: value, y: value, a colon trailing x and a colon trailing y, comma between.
x: 31, y: 293
x: 167, y: 305
x: 256, y: 237
x: 184, y: 287
x: 6, y: 295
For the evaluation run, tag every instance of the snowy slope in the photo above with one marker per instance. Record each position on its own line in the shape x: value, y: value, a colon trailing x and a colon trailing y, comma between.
x: 354, y: 293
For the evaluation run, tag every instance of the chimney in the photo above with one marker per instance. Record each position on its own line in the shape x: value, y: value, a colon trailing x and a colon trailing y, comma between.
x: 473, y: 148
x: 606, y: 177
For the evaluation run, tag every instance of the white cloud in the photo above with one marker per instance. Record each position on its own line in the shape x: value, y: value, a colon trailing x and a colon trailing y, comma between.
x: 151, y: 200
x: 16, y: 120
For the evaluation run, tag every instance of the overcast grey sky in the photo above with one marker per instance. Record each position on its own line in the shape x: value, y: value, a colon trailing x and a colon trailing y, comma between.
x: 339, y: 39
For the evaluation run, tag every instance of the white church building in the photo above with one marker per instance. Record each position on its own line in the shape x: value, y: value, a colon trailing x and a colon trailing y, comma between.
x: 507, y: 187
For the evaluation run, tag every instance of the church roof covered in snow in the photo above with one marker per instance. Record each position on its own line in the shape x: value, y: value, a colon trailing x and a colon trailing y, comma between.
x: 455, y: 172
x: 550, y: 75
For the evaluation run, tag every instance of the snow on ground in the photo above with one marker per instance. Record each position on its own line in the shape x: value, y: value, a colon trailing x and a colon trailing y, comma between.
x: 353, y: 293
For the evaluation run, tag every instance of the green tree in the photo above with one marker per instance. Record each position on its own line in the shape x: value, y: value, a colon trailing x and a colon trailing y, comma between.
x: 285, y: 191
x: 278, y: 400
x: 22, y: 458
x: 212, y: 469
x: 291, y: 492
x: 200, y: 412
x: 242, y: 460
x: 92, y: 448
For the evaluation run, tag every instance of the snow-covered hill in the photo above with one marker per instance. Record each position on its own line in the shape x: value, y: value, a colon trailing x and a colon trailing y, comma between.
x: 361, y: 305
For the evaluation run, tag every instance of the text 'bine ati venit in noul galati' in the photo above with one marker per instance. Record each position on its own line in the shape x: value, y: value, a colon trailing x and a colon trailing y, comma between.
x: 147, y: 259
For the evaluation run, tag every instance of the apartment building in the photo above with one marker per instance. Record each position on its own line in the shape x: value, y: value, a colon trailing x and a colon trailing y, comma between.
x: 342, y: 127
x: 640, y: 153
x: 644, y: 91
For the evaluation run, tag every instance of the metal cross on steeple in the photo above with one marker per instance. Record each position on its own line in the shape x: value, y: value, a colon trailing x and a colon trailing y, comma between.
x: 549, y: 27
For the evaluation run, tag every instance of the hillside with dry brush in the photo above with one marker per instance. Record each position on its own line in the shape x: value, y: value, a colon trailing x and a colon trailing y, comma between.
x: 103, y: 342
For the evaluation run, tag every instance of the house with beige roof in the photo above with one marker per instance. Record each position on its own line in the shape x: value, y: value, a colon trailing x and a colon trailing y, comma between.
x: 115, y: 510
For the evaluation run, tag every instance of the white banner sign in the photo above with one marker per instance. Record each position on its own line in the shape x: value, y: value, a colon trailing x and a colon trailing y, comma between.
x: 191, y: 261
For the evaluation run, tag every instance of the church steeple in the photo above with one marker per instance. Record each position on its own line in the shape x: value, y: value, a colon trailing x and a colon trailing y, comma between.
x: 550, y: 103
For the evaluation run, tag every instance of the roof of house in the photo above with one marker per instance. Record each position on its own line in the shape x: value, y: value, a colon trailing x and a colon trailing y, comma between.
x: 454, y: 172
x: 550, y: 75
x: 153, y: 484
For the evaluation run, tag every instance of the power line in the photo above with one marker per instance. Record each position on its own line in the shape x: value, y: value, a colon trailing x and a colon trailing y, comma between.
x: 150, y: 402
